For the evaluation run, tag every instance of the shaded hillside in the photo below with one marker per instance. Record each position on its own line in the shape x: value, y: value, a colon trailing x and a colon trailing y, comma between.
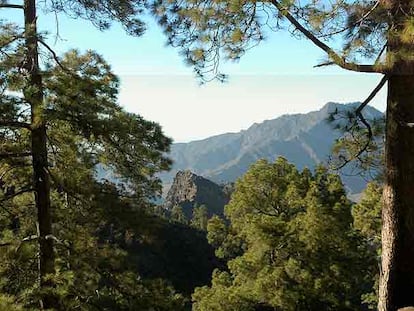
x: 189, y: 189
x: 177, y: 253
x: 303, y: 139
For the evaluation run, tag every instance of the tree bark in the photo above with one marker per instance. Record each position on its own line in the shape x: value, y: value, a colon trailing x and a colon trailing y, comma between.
x: 397, y: 270
x: 34, y: 95
x: 397, y: 275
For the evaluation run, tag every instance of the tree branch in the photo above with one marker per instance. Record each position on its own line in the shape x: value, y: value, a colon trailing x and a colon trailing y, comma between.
x: 330, y: 63
x: 20, y: 192
x: 12, y: 39
x: 66, y: 190
x: 372, y: 95
x: 7, y: 210
x: 359, y: 115
x: 26, y: 239
x: 30, y: 238
x: 337, y: 59
x: 359, y: 21
x: 11, y: 6
x: 15, y: 124
x: 55, y: 57
x: 14, y: 155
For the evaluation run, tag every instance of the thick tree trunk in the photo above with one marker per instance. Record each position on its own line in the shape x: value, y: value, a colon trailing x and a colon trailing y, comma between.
x: 397, y: 278
x: 34, y: 95
x: 397, y: 271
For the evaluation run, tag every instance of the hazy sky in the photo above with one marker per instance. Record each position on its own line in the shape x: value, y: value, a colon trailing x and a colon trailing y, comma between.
x: 275, y: 78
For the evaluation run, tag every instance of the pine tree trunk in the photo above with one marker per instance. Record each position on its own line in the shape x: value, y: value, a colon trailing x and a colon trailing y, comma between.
x: 397, y: 270
x: 397, y: 279
x: 34, y: 95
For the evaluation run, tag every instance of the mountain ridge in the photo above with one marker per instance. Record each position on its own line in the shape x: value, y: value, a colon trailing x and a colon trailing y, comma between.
x: 304, y: 139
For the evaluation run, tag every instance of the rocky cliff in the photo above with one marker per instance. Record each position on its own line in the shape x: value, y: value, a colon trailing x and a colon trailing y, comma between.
x: 189, y: 189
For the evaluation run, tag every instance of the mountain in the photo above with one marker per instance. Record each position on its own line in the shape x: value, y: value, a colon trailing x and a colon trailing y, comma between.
x: 189, y: 189
x: 303, y: 139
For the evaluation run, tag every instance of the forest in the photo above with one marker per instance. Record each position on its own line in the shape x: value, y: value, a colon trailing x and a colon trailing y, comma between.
x: 288, y: 239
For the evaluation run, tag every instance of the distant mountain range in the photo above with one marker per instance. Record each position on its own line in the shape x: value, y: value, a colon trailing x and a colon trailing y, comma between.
x: 303, y: 139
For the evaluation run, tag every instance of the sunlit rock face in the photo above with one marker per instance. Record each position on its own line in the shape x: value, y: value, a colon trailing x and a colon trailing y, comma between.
x: 189, y: 189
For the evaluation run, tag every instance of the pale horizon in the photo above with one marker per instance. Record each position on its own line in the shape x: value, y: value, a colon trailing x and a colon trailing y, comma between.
x: 189, y: 112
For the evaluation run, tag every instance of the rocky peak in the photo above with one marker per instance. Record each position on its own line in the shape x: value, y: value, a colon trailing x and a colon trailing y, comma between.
x: 189, y: 189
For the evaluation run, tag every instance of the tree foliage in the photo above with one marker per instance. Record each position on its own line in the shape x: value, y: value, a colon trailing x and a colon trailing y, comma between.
x: 367, y: 213
x: 199, y: 218
x: 367, y: 221
x: 95, y: 219
x: 177, y: 214
x: 208, y: 30
x: 300, y: 251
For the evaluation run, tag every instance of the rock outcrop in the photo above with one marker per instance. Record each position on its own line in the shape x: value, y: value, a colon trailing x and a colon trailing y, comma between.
x: 189, y: 189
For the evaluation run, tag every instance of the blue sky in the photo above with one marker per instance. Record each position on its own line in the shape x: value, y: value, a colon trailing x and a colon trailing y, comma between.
x: 274, y: 78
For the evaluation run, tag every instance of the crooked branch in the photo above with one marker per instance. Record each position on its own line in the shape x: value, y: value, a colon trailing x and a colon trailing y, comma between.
x: 56, y: 57
x: 337, y: 59
x: 360, y: 116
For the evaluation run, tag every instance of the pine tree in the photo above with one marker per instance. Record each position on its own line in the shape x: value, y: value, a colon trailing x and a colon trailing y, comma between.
x: 90, y: 215
x: 299, y: 250
x: 374, y: 37
x: 59, y: 120
x: 199, y: 218
x: 177, y: 214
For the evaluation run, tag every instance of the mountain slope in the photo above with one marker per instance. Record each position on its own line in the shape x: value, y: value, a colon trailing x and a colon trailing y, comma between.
x: 303, y: 139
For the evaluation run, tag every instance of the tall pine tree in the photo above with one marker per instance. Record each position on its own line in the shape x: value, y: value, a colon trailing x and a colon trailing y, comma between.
x: 59, y: 122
